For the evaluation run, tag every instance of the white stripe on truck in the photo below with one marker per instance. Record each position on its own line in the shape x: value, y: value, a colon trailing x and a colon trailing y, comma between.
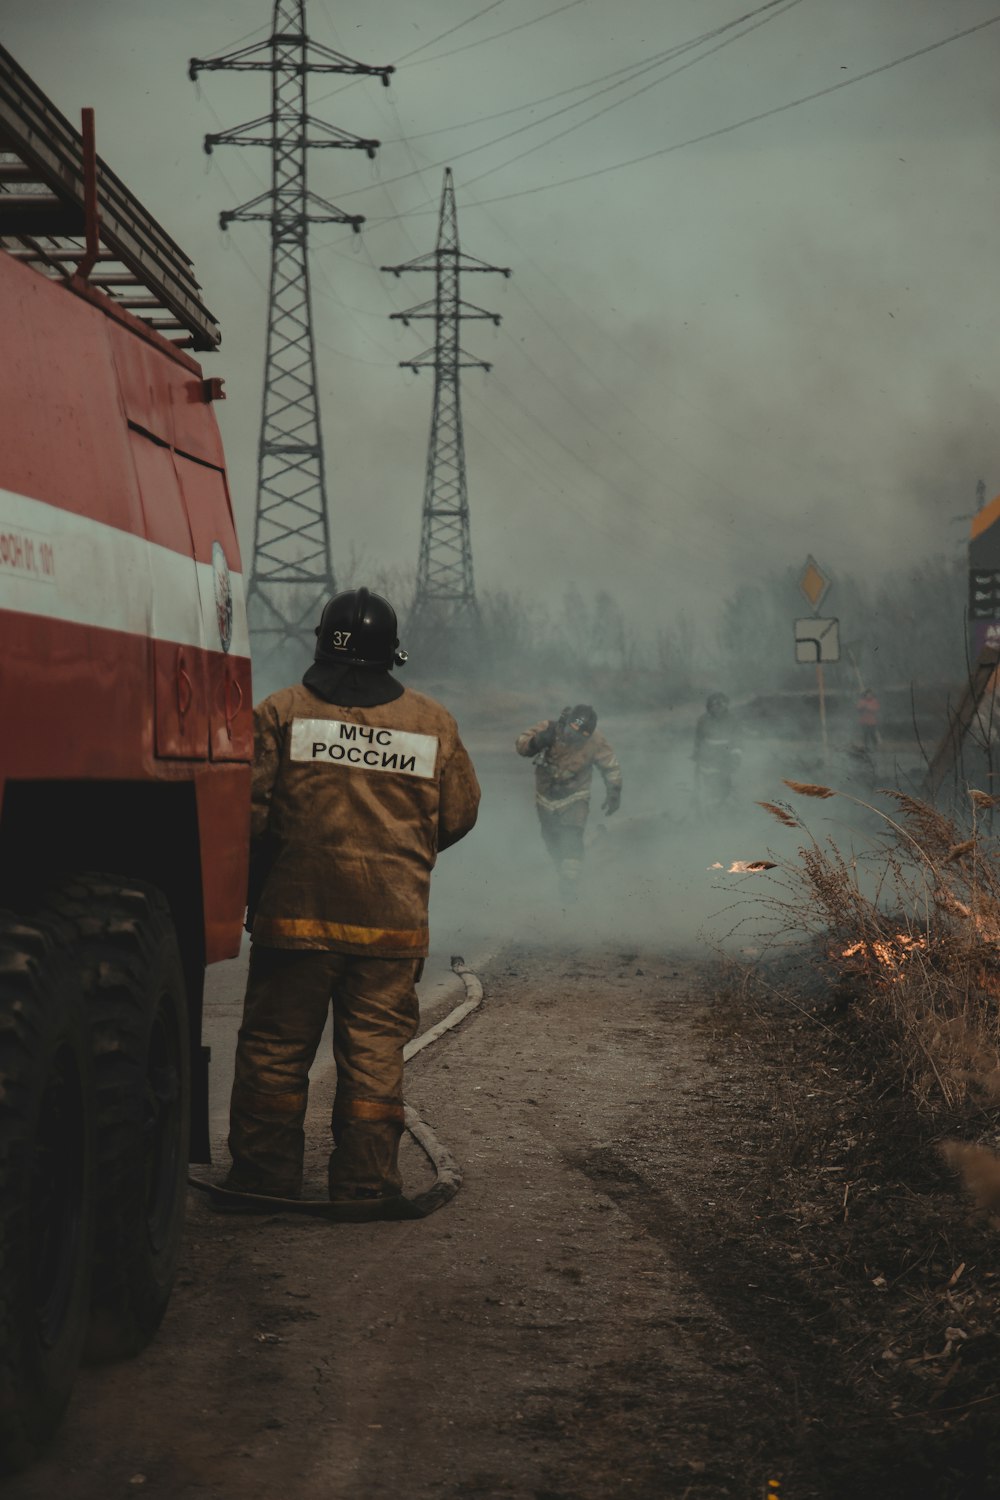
x: 62, y: 566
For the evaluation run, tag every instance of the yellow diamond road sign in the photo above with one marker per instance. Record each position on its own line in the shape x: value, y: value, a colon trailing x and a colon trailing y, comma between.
x: 814, y: 582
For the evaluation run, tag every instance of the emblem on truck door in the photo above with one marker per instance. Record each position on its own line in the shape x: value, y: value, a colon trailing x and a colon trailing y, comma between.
x: 223, y: 595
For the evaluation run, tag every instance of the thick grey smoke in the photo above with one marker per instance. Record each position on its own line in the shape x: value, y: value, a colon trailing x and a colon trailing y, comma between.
x: 712, y: 362
x: 658, y: 871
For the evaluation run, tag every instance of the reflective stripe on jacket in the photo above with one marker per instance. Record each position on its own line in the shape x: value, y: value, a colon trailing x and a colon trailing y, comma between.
x: 350, y: 808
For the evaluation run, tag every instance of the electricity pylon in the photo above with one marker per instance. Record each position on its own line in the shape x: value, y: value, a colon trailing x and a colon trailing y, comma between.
x: 291, y: 572
x: 446, y: 591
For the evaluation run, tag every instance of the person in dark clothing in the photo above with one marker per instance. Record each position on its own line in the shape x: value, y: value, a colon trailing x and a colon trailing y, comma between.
x: 716, y: 753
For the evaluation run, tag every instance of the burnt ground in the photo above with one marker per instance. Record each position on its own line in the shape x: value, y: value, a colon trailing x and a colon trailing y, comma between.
x: 697, y: 1250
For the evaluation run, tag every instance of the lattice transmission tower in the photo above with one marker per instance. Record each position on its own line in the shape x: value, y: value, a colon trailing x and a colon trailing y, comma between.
x: 292, y: 571
x: 446, y: 591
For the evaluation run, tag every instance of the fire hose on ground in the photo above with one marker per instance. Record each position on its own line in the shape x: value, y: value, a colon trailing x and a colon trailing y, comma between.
x: 447, y: 1172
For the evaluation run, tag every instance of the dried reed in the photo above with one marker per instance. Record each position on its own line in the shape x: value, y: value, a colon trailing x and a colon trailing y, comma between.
x: 913, y: 925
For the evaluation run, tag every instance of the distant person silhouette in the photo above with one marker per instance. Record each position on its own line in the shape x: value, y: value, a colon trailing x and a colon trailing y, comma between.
x: 716, y: 754
x: 869, y: 710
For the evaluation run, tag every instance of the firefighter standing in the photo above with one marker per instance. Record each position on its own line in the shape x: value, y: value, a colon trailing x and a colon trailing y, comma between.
x: 716, y: 755
x: 566, y: 750
x: 357, y: 784
x: 868, y: 717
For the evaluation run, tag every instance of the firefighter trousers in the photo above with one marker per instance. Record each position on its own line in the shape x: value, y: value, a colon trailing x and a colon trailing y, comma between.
x: 562, y: 832
x: 375, y: 1013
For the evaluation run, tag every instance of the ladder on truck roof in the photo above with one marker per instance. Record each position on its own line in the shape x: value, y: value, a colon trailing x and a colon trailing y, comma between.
x: 44, y: 218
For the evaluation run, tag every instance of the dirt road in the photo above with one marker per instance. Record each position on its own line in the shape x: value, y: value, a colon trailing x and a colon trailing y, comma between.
x: 603, y: 1311
x: 690, y: 1256
x: 534, y: 1338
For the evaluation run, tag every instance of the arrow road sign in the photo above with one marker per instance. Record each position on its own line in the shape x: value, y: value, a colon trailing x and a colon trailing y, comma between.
x: 817, y: 640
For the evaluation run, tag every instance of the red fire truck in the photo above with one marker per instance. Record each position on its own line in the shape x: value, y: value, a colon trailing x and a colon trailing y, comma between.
x: 125, y: 705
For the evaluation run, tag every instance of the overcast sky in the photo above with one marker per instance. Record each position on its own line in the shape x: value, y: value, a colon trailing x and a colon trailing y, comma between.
x: 781, y: 340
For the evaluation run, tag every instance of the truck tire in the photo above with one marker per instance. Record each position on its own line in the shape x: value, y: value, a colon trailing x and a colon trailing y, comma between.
x: 48, y: 1173
x: 129, y: 963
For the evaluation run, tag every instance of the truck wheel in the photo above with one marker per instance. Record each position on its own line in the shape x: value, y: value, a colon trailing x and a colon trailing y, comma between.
x: 129, y: 963
x: 47, y: 1184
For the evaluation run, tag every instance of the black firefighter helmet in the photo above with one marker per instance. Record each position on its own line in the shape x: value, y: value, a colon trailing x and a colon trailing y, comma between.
x: 359, y: 629
x: 581, y: 720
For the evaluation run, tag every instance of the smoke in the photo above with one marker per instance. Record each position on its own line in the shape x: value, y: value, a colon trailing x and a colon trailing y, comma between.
x: 655, y: 873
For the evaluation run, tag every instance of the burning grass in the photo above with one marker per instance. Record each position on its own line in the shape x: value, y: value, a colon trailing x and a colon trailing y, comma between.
x: 879, y: 1044
x: 910, y: 929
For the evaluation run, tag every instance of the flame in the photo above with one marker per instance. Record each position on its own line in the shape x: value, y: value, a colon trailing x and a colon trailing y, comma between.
x: 887, y: 953
x: 744, y: 866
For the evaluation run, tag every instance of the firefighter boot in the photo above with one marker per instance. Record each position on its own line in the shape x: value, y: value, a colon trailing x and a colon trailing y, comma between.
x: 569, y: 878
x: 365, y: 1162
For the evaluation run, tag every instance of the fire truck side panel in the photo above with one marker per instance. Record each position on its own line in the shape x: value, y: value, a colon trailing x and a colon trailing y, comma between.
x: 224, y: 831
x: 84, y: 720
x: 230, y: 705
x: 125, y: 653
x: 65, y: 440
x: 165, y: 397
x: 180, y: 689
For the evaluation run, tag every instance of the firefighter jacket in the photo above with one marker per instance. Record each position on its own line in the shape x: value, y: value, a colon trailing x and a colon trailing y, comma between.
x: 868, y: 711
x: 714, y: 742
x: 350, y: 808
x: 563, y: 771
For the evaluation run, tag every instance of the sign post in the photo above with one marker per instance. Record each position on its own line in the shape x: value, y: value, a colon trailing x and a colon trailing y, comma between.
x: 815, y: 639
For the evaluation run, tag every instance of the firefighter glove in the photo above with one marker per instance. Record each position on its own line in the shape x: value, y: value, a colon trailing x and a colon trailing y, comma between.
x: 544, y: 738
x: 613, y: 800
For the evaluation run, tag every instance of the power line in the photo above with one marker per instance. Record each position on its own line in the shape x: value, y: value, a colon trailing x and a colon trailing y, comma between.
x: 560, y: 289
x: 423, y: 45
x: 496, y: 35
x: 672, y: 52
x: 658, y: 478
x: 450, y: 32
x: 633, y: 69
x: 413, y: 163
x: 710, y: 135
x: 248, y: 34
x: 537, y: 313
x: 654, y: 83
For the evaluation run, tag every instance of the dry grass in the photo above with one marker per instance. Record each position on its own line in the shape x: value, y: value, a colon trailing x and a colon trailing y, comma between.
x: 979, y: 1169
x: 912, y: 924
x: 886, y: 1037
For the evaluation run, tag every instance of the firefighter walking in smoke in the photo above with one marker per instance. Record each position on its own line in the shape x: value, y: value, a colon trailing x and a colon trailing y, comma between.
x: 716, y: 755
x: 566, y: 750
x: 868, y: 710
x: 357, y: 784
